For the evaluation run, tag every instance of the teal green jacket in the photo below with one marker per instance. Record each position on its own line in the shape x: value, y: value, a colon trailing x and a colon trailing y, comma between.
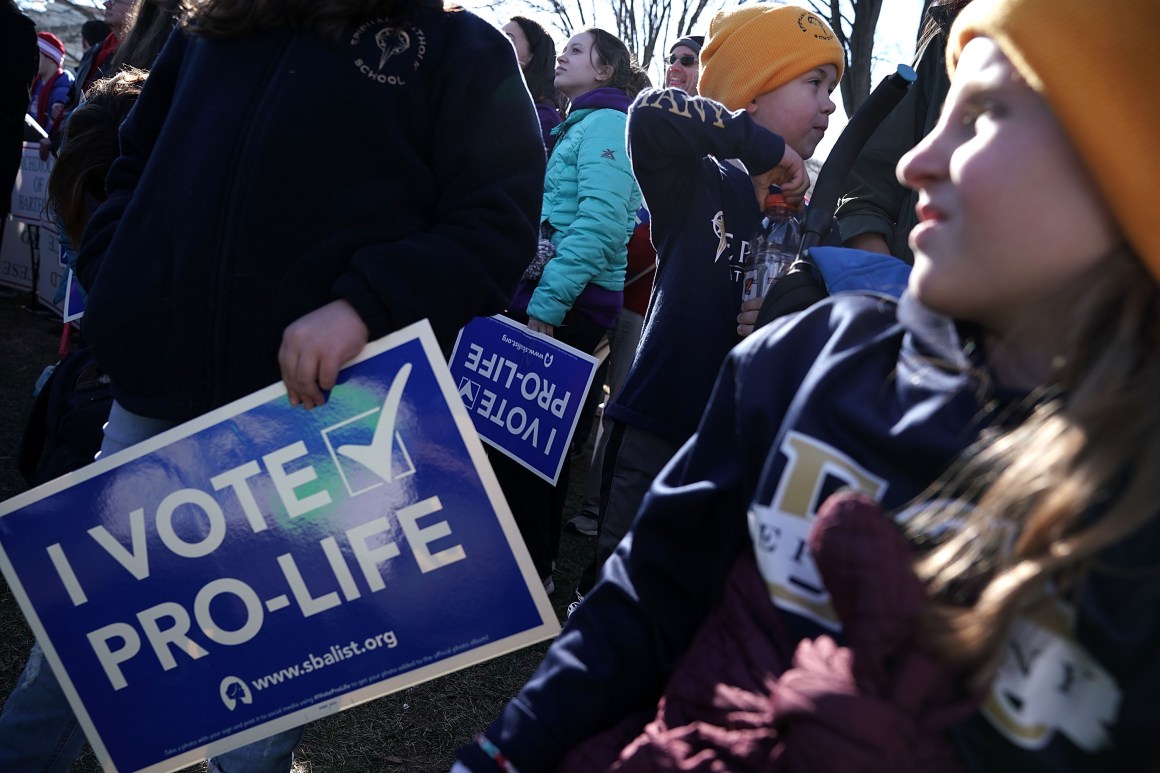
x: 590, y: 202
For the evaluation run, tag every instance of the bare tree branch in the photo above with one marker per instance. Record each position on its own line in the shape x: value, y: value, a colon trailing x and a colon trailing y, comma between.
x: 645, y: 26
x: 854, y: 23
x: 92, y: 9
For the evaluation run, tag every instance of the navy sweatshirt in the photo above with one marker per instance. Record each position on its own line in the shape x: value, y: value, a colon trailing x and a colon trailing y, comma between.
x: 703, y: 211
x: 860, y: 392
x: 263, y: 177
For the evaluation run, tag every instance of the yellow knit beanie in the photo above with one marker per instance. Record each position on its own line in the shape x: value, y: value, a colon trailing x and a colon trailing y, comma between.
x: 1089, y: 59
x: 755, y: 48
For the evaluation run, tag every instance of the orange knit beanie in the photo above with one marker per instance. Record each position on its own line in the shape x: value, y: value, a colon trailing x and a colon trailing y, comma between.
x: 1089, y: 59
x: 753, y: 49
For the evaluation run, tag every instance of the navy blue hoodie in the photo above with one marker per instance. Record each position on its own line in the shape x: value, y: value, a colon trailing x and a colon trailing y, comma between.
x: 703, y: 212
x: 265, y: 176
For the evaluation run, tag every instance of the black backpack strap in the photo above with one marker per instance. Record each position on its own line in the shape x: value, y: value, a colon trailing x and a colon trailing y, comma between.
x: 800, y: 288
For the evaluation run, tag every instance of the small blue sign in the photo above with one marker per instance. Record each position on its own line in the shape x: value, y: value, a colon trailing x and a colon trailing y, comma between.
x: 523, y: 390
x: 74, y: 297
x: 263, y: 566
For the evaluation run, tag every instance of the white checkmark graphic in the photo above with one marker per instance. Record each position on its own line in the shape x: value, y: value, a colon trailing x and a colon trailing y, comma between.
x: 376, y: 457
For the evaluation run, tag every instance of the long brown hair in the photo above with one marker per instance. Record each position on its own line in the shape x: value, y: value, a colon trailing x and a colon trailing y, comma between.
x: 1091, y: 446
x: 937, y: 20
x: 149, y: 23
x: 77, y: 182
x: 539, y: 71
x: 612, y: 52
x: 326, y: 18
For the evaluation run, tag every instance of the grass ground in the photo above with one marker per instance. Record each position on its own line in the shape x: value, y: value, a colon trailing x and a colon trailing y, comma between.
x: 415, y: 730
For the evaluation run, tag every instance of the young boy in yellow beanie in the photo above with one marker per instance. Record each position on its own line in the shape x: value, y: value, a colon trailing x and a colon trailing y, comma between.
x: 703, y: 165
x: 983, y: 596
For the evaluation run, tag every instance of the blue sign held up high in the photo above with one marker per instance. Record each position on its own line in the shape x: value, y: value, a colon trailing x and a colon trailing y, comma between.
x: 264, y: 566
x: 523, y: 391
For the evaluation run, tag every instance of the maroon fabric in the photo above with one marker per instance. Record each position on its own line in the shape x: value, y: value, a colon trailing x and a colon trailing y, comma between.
x: 641, y: 257
x: 738, y: 702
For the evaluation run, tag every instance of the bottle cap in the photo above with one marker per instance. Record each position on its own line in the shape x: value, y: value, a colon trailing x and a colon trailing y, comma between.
x: 775, y: 198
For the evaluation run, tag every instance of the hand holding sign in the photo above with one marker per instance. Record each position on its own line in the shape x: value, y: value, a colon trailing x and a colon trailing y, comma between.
x: 536, y: 326
x: 276, y: 565
x: 315, y: 346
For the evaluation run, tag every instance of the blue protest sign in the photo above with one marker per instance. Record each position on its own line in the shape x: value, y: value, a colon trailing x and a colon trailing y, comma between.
x: 264, y: 566
x: 524, y: 391
x: 74, y: 298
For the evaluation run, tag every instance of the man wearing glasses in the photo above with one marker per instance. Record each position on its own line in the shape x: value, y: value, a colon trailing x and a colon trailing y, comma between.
x: 684, y: 68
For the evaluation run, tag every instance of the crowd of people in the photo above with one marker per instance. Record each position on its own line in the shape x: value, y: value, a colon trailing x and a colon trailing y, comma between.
x: 907, y: 533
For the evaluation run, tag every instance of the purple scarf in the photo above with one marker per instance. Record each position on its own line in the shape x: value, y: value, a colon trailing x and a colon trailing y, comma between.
x: 601, y: 98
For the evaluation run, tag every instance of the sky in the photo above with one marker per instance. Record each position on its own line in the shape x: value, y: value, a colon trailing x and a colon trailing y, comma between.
x: 893, y: 44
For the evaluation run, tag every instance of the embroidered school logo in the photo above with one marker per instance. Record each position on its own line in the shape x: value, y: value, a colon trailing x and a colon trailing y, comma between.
x: 719, y: 232
x: 366, y: 449
x: 813, y: 470
x: 1047, y: 684
x: 608, y: 153
x: 391, y: 41
x: 811, y: 24
x: 386, y: 53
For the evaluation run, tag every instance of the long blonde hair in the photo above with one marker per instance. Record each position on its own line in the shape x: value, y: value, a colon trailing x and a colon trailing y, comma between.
x: 1081, y: 473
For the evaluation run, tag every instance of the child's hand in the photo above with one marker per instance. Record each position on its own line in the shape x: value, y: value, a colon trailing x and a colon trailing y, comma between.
x: 789, y: 174
x: 748, y: 316
x: 315, y: 346
x: 536, y: 326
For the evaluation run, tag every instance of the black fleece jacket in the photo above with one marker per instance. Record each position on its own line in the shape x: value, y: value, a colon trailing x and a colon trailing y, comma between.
x: 263, y: 177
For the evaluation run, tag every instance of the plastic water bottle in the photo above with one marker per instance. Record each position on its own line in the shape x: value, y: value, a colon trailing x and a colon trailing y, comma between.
x: 773, y: 248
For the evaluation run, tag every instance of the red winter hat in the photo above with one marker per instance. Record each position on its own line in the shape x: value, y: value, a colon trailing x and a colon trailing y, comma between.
x: 51, y: 46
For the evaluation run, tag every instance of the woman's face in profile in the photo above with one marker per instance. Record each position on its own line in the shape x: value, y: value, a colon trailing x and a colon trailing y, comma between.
x: 519, y: 42
x: 1011, y: 223
x: 578, y: 70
